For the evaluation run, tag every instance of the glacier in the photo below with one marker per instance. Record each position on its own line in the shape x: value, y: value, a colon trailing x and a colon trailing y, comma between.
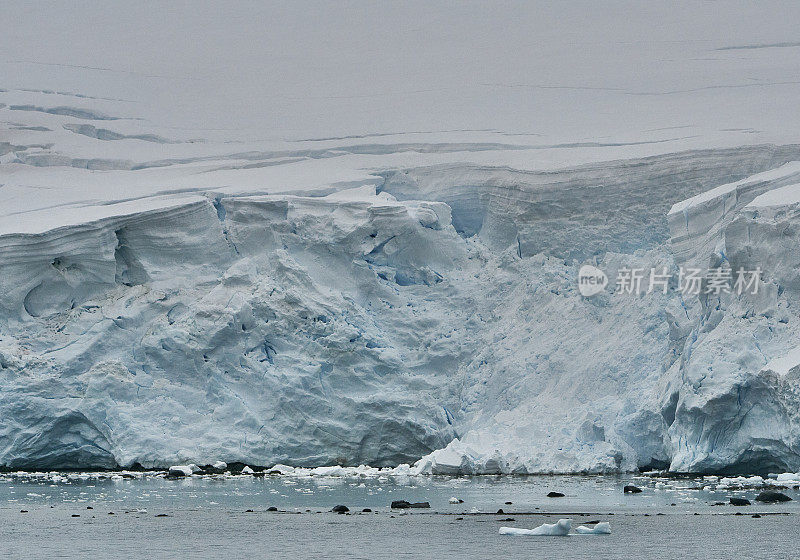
x: 210, y: 265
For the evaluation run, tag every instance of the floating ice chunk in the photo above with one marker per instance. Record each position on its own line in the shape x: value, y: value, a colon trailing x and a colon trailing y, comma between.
x: 741, y: 481
x: 180, y: 470
x: 559, y: 529
x: 283, y: 469
x: 247, y: 470
x: 455, y: 500
x: 403, y: 469
x: 603, y: 528
x: 220, y: 465
x: 788, y: 477
x: 517, y: 532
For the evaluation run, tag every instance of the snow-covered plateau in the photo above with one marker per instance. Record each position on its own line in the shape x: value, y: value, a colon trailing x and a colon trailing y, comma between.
x: 249, y: 235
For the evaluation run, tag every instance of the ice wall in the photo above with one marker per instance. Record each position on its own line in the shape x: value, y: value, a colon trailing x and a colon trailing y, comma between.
x: 372, y: 327
x: 255, y: 329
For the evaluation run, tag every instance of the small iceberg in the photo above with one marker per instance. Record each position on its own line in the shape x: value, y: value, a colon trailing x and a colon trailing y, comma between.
x: 180, y: 470
x: 603, y: 528
x: 559, y: 529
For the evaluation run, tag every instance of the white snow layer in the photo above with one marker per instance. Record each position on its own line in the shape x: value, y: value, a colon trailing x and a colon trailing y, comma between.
x: 366, y: 264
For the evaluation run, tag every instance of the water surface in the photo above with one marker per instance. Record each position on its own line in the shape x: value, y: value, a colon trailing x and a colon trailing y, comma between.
x: 69, y: 516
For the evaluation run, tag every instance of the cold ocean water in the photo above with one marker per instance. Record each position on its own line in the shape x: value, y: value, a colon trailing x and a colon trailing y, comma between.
x: 69, y: 515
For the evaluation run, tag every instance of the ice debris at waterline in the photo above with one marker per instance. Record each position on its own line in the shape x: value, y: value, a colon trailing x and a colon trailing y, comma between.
x: 559, y: 529
x: 182, y: 470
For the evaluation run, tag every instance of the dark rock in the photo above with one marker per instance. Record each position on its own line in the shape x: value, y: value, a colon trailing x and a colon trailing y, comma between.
x: 508, y: 503
x: 771, y: 497
x: 110, y: 513
x: 211, y: 469
x: 162, y: 515
x: 500, y: 511
x: 366, y: 510
x: 75, y: 515
x: 23, y: 511
x: 555, y: 495
x: 718, y: 504
x: 259, y: 474
x: 236, y: 468
x: 508, y: 519
x: 740, y: 502
x: 631, y: 489
x: 274, y: 473
x: 272, y: 508
x: 593, y: 522
x: 755, y: 516
x: 89, y: 507
x: 457, y: 518
x: 403, y: 504
x: 248, y: 511
x: 340, y: 509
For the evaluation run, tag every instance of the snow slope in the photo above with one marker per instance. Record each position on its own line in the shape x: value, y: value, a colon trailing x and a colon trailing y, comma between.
x: 281, y: 234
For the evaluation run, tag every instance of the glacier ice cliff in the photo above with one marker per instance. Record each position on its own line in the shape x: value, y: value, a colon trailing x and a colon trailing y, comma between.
x: 707, y: 383
x: 434, y: 315
x: 259, y: 329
